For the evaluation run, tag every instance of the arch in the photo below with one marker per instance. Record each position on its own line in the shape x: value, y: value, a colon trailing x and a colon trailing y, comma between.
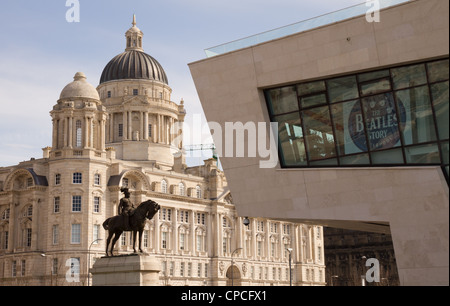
x: 143, y: 181
x: 233, y: 276
x: 26, y: 173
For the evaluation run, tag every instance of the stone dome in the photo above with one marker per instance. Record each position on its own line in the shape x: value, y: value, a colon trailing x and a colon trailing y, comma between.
x: 79, y: 88
x: 134, y: 64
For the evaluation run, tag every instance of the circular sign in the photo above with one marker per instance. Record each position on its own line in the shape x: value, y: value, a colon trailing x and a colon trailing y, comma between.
x: 380, y: 121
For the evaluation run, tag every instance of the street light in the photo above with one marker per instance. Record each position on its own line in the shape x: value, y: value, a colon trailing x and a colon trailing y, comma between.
x: 333, y: 276
x: 290, y: 267
x: 89, y: 258
x: 51, y: 269
x: 232, y: 266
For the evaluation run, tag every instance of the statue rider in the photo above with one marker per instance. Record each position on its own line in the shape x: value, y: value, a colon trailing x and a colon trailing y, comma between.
x: 126, y: 207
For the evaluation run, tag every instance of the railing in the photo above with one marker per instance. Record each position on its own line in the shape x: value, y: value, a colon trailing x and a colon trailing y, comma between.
x: 336, y: 16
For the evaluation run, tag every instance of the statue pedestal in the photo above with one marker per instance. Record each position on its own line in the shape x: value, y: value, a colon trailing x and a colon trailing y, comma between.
x: 126, y: 270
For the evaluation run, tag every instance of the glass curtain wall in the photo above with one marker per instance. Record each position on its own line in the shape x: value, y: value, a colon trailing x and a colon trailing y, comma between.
x: 396, y: 116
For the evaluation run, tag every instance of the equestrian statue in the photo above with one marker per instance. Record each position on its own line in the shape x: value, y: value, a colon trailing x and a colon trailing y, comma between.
x: 129, y: 218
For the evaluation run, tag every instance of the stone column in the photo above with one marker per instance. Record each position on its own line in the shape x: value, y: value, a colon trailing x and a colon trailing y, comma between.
x: 111, y: 127
x: 146, y: 126
x: 70, y: 132
x: 130, y: 127
x: 125, y: 125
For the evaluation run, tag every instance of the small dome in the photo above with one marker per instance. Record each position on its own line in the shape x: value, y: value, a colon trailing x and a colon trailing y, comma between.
x: 79, y: 88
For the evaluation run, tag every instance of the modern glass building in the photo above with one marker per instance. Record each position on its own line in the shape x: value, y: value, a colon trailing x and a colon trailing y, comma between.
x: 363, y: 134
x: 393, y: 116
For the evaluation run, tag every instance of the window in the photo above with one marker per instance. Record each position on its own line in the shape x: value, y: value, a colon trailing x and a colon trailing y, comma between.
x: 182, y: 241
x: 201, y: 218
x: 5, y: 214
x: 77, y: 178
x: 135, y: 92
x: 74, y: 267
x: 54, y: 266
x: 165, y: 214
x: 199, y: 269
x: 164, y: 186
x: 95, y: 233
x: 183, y: 216
x: 395, y: 116
x: 56, y: 204
x: 23, y: 268
x: 120, y: 130
x: 57, y: 179
x: 97, y: 177
x: 181, y: 268
x: 189, y: 269
x: 163, y: 240
x: 14, y: 268
x: 199, y: 192
x: 28, y: 235
x: 109, y: 94
x: 75, y: 237
x: 78, y: 133
x: 97, y: 204
x: 5, y: 240
x: 149, y: 130
x: 181, y: 189
x: 55, y: 234
x: 145, y: 239
x: 76, y: 203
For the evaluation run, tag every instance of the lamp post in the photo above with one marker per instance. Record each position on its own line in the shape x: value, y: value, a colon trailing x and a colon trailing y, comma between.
x: 51, y: 269
x: 290, y: 267
x: 232, y: 266
x: 333, y: 276
x: 89, y: 258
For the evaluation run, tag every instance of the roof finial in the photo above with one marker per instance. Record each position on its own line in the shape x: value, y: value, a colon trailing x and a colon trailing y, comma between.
x: 134, y: 20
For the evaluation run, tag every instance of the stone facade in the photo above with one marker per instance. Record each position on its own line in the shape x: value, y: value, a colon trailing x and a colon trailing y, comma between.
x: 122, y: 134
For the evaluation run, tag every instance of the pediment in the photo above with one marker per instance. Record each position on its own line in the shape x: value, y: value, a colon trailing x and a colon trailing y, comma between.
x: 135, y: 101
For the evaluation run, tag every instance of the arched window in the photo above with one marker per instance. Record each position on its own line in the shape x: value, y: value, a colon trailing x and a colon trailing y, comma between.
x: 199, y: 192
x: 164, y: 186
x: 78, y: 134
x: 182, y: 189
x: 5, y: 214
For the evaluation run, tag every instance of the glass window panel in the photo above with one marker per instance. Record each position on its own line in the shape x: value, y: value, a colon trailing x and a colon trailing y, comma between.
x: 381, y: 121
x: 409, y: 76
x: 349, y: 127
x: 291, y: 140
x: 419, y: 126
x: 373, y: 75
x: 445, y: 152
x: 318, y: 133
x: 375, y: 87
x: 282, y: 100
x: 313, y: 100
x: 393, y: 156
x: 358, y: 159
x: 439, y: 92
x: 309, y: 88
x: 425, y: 154
x: 324, y: 162
x: 438, y: 71
x: 341, y: 89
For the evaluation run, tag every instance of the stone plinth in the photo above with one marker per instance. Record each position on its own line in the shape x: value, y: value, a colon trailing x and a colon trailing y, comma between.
x: 126, y: 270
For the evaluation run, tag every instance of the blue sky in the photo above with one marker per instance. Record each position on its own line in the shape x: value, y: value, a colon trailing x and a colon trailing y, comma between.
x: 40, y: 51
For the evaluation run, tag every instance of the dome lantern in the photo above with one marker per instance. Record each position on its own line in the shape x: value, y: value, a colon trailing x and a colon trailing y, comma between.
x: 134, y: 63
x: 134, y: 37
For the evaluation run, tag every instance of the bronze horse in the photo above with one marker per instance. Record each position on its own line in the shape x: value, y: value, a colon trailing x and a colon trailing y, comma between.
x: 115, y: 225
